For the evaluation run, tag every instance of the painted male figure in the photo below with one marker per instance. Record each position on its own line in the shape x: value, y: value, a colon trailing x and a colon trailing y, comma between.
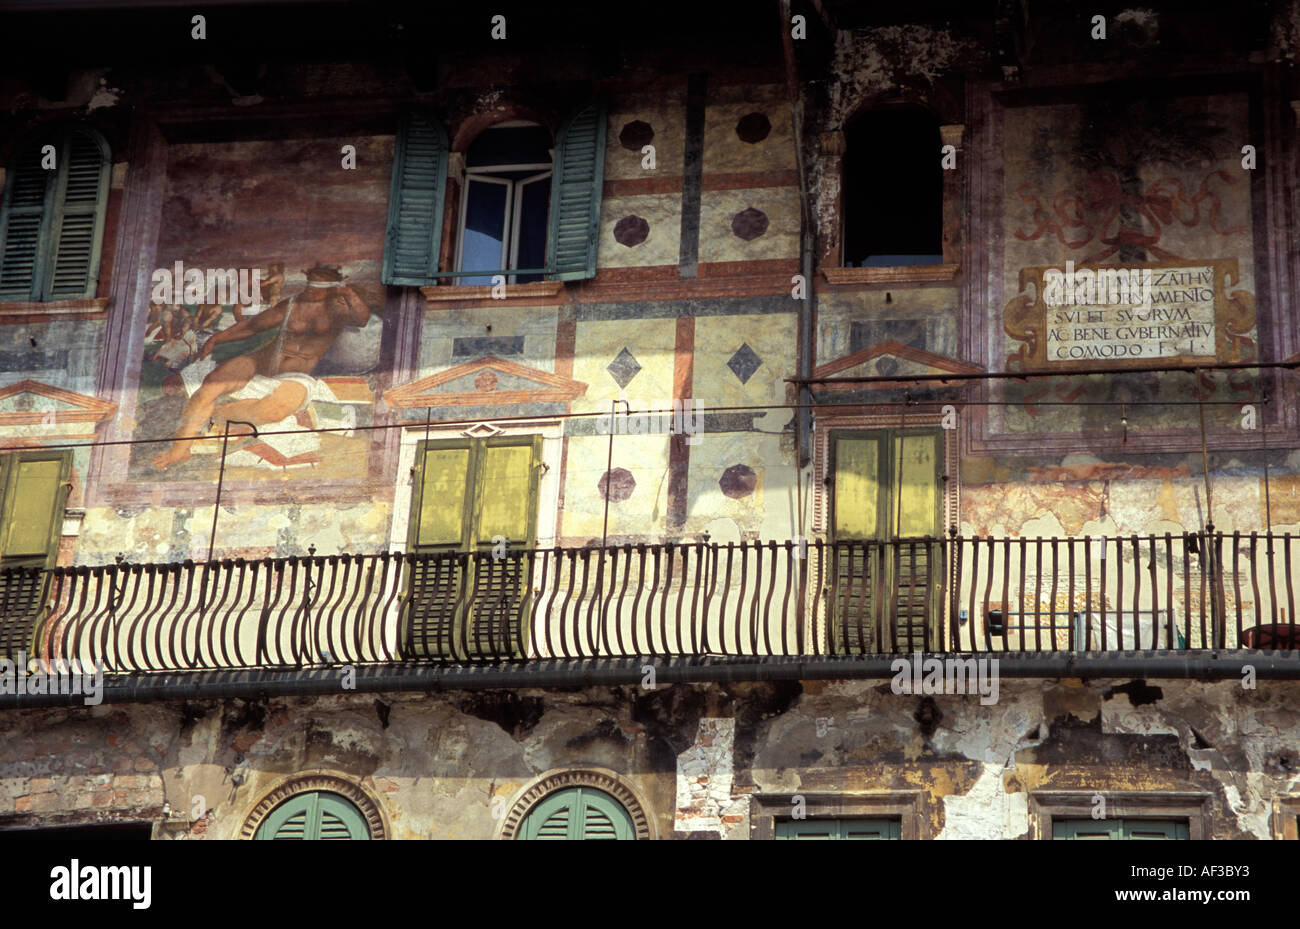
x: 273, y: 382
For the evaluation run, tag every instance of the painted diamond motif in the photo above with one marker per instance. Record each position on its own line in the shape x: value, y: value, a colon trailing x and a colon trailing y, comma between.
x: 744, y: 363
x: 623, y: 368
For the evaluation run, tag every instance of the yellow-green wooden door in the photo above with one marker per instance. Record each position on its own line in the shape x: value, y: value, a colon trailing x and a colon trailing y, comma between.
x: 475, y: 503
x: 886, y: 502
x: 33, y: 490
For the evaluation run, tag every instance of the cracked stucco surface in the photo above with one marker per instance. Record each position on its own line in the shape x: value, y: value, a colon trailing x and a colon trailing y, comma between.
x: 450, y: 765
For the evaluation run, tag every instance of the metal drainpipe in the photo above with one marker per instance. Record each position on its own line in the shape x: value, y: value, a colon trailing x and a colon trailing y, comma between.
x: 803, y: 416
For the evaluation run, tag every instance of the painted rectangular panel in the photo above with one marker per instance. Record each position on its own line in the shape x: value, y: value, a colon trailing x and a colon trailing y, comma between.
x: 35, y: 490
x: 506, y: 503
x: 857, y: 488
x: 442, y: 500
x: 919, y: 493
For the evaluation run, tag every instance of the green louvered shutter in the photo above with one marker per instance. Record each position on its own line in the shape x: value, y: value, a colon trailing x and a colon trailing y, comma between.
x: 575, y: 196
x: 28, y: 201
x: 33, y: 489
x: 853, y: 829
x: 1139, y: 829
x: 578, y: 813
x: 415, y: 201
x: 1154, y: 829
x: 78, y: 222
x: 1090, y: 829
x: 857, y: 829
x: 52, y: 221
x: 316, y: 815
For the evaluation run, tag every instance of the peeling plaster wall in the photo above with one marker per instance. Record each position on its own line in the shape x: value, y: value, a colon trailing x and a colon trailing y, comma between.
x: 451, y: 765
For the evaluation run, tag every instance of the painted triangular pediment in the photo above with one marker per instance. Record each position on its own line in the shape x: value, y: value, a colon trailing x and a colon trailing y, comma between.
x: 30, y: 403
x: 892, y: 359
x: 486, y: 381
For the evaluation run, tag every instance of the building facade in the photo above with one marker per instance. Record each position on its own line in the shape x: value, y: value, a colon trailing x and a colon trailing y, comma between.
x: 804, y: 422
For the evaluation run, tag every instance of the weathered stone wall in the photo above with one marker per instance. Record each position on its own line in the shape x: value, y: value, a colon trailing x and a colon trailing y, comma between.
x: 694, y: 757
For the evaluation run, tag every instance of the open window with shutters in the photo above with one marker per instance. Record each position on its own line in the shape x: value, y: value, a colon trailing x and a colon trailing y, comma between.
x: 523, y: 213
x: 578, y: 813
x: 33, y: 491
x: 317, y: 814
x: 52, y: 216
x: 474, y: 504
x: 886, y: 504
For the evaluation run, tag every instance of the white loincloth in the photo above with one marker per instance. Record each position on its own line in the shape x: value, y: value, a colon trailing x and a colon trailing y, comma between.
x: 291, y: 440
x: 262, y: 386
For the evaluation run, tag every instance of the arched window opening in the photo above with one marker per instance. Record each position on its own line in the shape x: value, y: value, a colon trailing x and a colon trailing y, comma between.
x: 317, y: 814
x: 578, y: 813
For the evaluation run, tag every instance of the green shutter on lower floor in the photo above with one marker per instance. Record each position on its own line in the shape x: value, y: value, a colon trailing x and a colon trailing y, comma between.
x: 1155, y: 829
x: 415, y: 201
x: 837, y: 829
x: 576, y: 194
x: 578, y: 813
x: 315, y: 815
x: 1140, y: 829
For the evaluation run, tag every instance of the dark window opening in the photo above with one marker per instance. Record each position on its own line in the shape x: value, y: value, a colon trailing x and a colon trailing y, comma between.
x: 893, y: 190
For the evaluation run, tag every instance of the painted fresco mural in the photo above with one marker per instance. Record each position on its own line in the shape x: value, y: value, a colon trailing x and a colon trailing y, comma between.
x: 295, y: 346
x: 1154, y: 187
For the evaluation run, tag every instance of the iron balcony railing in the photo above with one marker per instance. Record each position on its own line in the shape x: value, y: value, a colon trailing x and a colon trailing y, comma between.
x: 960, y: 595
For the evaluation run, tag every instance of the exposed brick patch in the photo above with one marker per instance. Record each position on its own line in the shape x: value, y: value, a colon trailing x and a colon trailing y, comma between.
x: 704, y: 777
